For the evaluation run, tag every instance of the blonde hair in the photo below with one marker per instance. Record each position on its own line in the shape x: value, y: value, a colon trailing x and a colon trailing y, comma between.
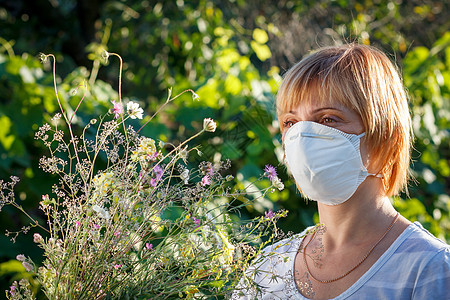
x: 363, y: 79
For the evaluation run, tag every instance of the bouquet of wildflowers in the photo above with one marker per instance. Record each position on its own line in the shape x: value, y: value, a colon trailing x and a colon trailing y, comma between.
x: 128, y: 219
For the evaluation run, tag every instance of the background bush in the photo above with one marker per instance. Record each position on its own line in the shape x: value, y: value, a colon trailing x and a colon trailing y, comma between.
x: 233, y: 54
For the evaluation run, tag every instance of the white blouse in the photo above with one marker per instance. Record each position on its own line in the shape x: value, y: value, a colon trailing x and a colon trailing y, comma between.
x: 416, y: 266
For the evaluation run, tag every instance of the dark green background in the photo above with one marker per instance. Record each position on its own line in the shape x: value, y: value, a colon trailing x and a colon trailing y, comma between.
x: 213, y: 48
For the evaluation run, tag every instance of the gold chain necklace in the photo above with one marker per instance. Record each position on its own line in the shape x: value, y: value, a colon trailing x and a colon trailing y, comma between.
x: 357, y: 265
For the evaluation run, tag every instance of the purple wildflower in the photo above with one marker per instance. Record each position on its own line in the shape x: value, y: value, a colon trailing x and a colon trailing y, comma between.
x: 117, y: 266
x: 197, y: 222
x: 270, y: 172
x: 269, y: 214
x: 149, y: 246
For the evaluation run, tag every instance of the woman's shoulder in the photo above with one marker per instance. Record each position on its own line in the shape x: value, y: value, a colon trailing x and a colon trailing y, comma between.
x: 421, y: 251
x: 421, y: 240
x: 425, y: 260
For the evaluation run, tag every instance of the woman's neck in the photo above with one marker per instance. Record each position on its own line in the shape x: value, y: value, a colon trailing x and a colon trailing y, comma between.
x: 358, y: 220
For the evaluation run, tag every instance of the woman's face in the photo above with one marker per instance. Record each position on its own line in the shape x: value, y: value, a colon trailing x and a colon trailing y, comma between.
x: 332, y: 114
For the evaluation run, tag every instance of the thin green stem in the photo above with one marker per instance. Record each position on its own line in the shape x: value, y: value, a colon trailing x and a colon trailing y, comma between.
x: 163, y: 105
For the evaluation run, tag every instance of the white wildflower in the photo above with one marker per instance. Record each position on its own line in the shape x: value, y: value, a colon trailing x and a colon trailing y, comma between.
x: 146, y: 151
x: 277, y: 183
x: 134, y: 110
x: 102, y: 182
x: 101, y: 211
x: 209, y: 125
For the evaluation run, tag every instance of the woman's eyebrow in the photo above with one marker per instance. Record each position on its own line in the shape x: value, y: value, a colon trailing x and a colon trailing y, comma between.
x: 327, y: 108
x: 291, y: 112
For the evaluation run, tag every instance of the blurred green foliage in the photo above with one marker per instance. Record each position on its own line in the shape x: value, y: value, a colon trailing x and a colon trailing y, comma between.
x: 232, y: 55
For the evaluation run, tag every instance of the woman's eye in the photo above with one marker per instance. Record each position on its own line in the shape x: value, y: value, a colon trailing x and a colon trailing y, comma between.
x: 288, y: 124
x: 327, y: 120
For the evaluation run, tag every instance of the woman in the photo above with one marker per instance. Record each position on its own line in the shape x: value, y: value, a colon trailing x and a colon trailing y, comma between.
x: 346, y: 128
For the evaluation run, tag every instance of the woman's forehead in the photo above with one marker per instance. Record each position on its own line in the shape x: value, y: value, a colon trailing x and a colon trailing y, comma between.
x: 310, y: 100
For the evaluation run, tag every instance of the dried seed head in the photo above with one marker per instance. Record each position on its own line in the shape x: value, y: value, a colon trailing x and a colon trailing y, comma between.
x: 42, y: 57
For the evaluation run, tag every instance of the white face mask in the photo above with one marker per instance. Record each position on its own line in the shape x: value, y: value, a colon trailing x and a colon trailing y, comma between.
x: 325, y: 162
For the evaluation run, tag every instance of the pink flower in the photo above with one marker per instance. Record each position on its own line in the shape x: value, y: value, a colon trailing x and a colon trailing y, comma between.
x: 96, y: 226
x: 37, y: 238
x: 12, y: 289
x: 77, y: 224
x: 158, y: 171
x: 21, y: 257
x: 270, y: 172
x: 153, y: 156
x: 153, y: 182
x: 206, y: 180
x: 149, y: 246
x: 117, y: 110
x: 117, y: 266
x: 269, y: 214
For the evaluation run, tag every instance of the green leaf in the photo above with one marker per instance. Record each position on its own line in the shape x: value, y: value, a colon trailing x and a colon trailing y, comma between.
x: 262, y: 51
x: 6, y: 138
x: 11, y: 266
x: 233, y: 85
x: 260, y: 36
x: 227, y: 58
x: 208, y: 94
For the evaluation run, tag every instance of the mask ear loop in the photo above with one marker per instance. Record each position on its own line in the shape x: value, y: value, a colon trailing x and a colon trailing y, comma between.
x: 377, y: 175
x: 361, y: 135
